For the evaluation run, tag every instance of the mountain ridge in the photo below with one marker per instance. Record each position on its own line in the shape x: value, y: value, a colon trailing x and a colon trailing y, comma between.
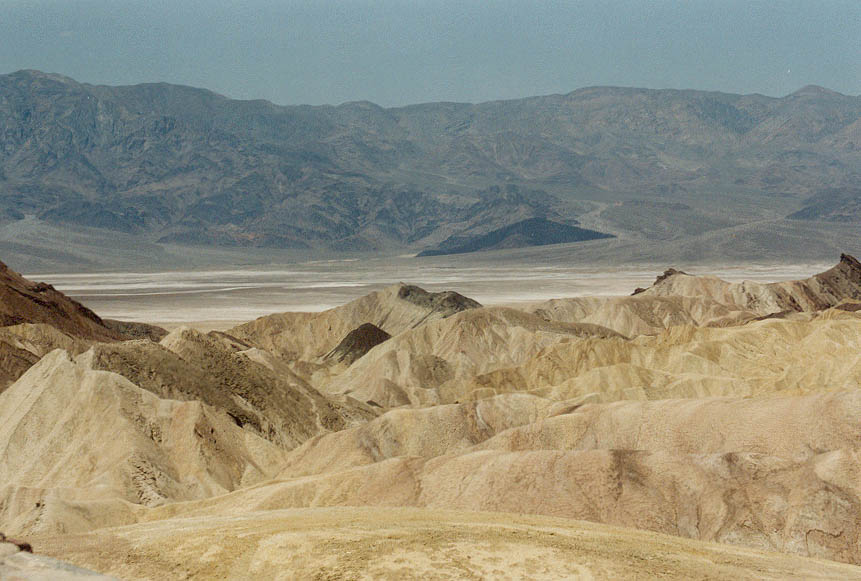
x: 804, y: 90
x: 167, y: 163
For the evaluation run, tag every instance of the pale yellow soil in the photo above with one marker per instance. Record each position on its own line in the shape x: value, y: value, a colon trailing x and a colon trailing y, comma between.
x: 398, y: 543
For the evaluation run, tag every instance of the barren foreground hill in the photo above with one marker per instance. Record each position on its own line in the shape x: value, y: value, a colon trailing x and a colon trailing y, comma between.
x: 705, y: 429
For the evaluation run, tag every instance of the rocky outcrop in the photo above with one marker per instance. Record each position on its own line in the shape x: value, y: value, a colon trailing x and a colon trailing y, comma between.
x: 358, y: 342
x: 444, y: 303
x: 35, y: 319
x: 135, y: 330
x: 24, y: 301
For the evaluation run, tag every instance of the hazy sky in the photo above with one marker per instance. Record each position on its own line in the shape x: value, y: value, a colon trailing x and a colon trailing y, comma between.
x: 399, y: 52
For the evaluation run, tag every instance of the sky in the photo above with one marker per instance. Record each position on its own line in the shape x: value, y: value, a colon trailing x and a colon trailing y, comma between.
x: 400, y: 52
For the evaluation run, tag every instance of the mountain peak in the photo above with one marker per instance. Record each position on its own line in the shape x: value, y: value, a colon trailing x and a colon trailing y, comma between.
x: 36, y: 74
x: 814, y: 91
x: 851, y: 261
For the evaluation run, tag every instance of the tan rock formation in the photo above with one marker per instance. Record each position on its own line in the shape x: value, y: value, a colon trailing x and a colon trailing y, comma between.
x: 417, y: 366
x: 773, y: 473
x: 697, y: 408
x: 790, y: 356
x: 678, y: 299
x: 821, y: 291
x: 312, y: 335
x: 642, y: 314
x: 73, y: 439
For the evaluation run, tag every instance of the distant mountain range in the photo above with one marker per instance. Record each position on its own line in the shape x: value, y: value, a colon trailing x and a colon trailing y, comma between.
x: 174, y: 164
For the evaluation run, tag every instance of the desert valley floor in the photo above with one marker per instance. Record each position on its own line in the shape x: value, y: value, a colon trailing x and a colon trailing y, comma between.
x: 241, y: 294
x: 702, y: 427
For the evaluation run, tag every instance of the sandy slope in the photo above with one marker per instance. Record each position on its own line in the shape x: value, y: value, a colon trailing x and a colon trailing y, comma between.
x: 81, y: 448
x: 89, y: 441
x: 642, y: 314
x: 726, y: 470
x: 792, y: 356
x: 397, y: 543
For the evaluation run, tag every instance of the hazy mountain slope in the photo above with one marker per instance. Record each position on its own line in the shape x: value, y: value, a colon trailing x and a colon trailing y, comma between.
x: 186, y: 165
x: 836, y: 205
x: 179, y: 164
x: 531, y: 232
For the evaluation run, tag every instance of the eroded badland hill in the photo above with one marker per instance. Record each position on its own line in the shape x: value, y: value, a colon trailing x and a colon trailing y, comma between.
x: 694, y: 429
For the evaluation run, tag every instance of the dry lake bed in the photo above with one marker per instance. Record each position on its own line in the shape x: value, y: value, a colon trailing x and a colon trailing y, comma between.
x: 246, y: 293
